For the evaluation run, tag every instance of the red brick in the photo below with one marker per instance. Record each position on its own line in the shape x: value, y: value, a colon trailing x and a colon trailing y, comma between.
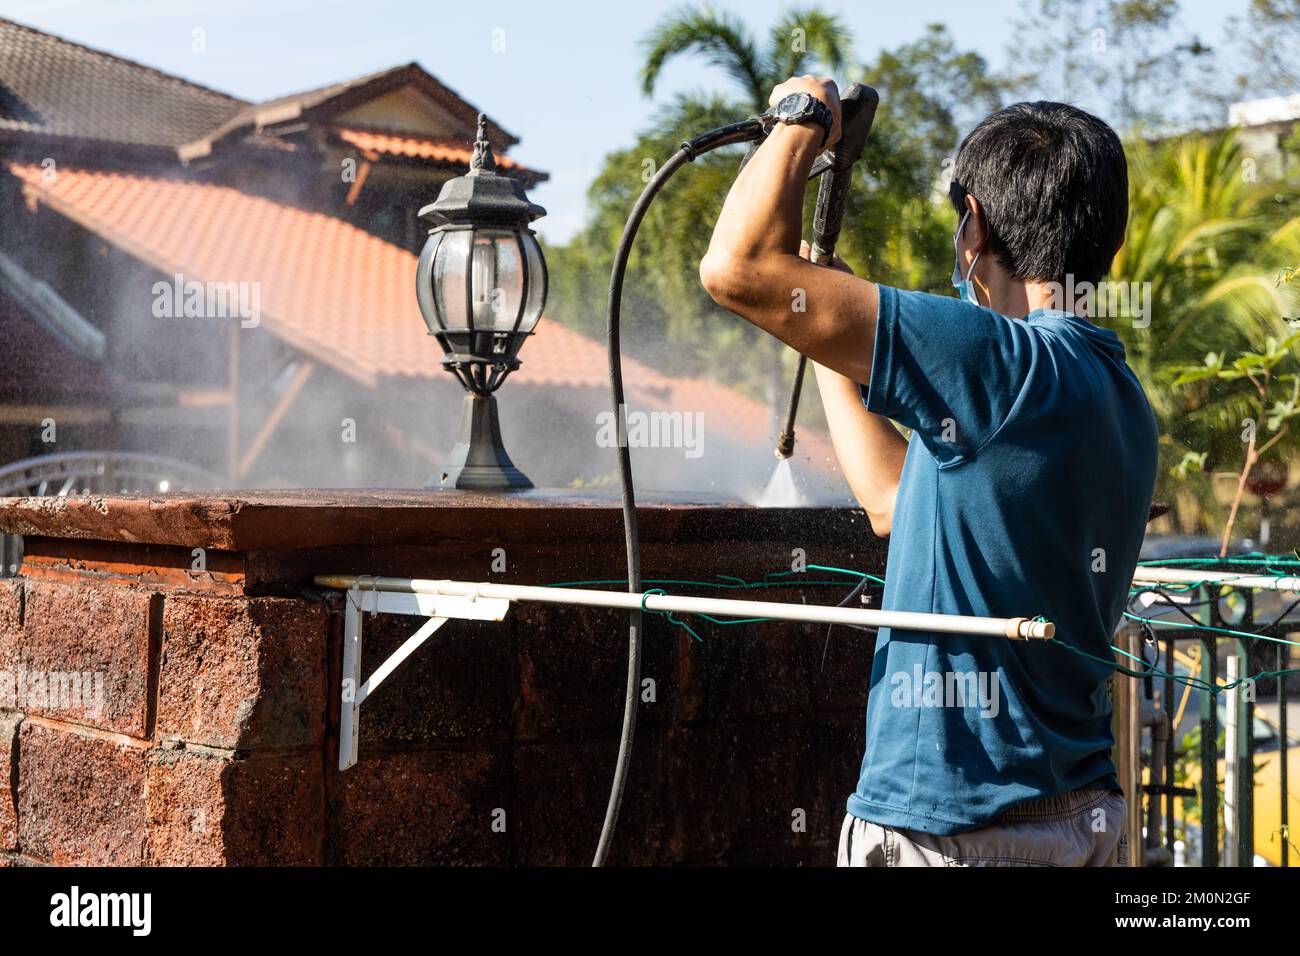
x: 11, y: 622
x: 9, y: 723
x: 757, y: 670
x: 560, y: 791
x: 95, y: 629
x: 80, y: 798
x: 457, y: 685
x: 732, y: 789
x: 843, y: 684
x: 239, y: 673
x: 15, y: 861
x: 573, y: 669
x: 421, y: 808
x: 212, y: 810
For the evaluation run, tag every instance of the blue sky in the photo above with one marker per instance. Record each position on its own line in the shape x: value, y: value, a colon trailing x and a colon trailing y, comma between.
x: 565, y: 82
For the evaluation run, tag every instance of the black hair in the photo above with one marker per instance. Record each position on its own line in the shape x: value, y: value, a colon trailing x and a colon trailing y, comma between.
x: 1052, y: 181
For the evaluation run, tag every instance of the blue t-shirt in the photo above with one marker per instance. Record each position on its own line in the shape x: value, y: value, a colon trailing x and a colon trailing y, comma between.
x: 1025, y: 491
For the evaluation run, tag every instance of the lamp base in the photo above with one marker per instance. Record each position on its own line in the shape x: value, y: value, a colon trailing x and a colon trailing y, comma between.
x: 478, y: 461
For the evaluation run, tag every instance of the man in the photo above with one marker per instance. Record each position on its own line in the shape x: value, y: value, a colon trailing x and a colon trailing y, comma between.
x: 1023, y: 489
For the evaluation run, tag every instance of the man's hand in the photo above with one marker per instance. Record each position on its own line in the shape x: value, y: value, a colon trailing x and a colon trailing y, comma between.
x: 820, y: 87
x: 805, y: 252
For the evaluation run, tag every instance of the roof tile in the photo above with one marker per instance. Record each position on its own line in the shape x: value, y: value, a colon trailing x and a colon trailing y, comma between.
x: 52, y: 86
x: 414, y: 147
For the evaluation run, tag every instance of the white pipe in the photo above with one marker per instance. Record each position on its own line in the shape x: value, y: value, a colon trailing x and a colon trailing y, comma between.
x: 1018, y: 628
x: 1263, y: 582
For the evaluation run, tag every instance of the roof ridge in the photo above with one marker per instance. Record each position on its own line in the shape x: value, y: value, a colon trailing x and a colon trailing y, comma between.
x: 352, y: 81
x: 125, y: 60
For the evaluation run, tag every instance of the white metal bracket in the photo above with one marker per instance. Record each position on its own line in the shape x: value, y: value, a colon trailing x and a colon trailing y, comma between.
x: 438, y: 608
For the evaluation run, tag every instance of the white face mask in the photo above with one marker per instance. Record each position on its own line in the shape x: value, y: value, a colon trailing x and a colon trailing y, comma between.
x: 965, y: 288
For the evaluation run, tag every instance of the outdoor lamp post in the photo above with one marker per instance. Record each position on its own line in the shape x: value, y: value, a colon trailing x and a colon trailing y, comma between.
x: 481, y: 285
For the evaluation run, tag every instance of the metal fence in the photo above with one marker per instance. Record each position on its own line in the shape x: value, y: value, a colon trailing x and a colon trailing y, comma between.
x: 1202, y: 662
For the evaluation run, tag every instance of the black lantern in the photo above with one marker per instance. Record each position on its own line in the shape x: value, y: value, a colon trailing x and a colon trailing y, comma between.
x: 481, y: 285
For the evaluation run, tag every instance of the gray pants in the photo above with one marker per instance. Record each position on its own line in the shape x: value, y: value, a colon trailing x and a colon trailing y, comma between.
x: 1081, y: 828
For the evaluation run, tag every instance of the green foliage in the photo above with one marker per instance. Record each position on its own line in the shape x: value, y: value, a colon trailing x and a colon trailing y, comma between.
x: 1248, y: 393
x: 798, y: 40
x: 896, y: 230
x: 1206, y: 241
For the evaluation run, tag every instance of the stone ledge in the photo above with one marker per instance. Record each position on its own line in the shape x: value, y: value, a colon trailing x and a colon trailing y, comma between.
x: 290, y: 520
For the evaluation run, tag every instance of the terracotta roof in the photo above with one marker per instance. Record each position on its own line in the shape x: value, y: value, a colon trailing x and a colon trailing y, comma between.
x: 340, y: 294
x: 415, y: 147
x: 54, y: 87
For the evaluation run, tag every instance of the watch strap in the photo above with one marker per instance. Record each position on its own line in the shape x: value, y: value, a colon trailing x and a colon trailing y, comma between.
x: 821, y: 114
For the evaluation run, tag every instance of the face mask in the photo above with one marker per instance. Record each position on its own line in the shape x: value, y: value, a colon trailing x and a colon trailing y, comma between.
x: 965, y: 288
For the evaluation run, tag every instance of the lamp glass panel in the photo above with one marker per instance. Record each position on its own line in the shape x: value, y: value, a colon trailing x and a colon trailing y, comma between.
x: 449, y: 267
x: 498, y: 279
x: 536, y: 283
x: 424, y: 282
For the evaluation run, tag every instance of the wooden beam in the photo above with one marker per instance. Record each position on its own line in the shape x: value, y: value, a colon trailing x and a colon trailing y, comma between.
x: 232, y: 418
x: 277, y: 415
x: 62, y: 414
x: 355, y: 190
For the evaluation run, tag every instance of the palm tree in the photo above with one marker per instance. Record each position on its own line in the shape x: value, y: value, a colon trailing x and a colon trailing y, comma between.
x: 798, y: 41
x: 1208, y: 243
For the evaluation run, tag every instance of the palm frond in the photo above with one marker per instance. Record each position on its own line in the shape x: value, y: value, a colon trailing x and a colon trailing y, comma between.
x: 803, y: 37
x: 723, y: 41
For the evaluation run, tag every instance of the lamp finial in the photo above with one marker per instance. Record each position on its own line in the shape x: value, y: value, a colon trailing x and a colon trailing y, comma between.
x: 482, y: 158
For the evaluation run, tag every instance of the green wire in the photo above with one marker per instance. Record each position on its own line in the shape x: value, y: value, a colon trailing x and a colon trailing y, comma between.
x: 1252, y: 558
x: 731, y: 582
x: 668, y: 614
x: 1157, y: 672
x: 1216, y: 630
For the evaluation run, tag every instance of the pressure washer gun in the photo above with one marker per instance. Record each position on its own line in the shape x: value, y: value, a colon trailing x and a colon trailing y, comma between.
x: 857, y: 113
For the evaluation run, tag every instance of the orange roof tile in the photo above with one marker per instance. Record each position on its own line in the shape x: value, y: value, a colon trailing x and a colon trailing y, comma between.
x: 340, y: 294
x: 414, y: 147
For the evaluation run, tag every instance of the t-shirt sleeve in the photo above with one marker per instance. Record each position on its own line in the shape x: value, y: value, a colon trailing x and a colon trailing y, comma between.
x: 951, y: 371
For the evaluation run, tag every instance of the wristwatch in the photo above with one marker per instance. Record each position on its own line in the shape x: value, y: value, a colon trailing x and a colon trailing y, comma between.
x: 804, y: 108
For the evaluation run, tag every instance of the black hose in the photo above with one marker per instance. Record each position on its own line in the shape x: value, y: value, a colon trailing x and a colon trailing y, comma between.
x: 723, y: 136
x: 632, y: 694
x: 857, y: 590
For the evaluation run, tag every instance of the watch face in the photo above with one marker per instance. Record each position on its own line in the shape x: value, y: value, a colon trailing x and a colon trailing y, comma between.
x: 793, y: 105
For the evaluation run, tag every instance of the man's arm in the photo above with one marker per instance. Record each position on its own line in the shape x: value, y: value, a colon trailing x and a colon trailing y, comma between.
x: 755, y: 269
x: 869, y: 448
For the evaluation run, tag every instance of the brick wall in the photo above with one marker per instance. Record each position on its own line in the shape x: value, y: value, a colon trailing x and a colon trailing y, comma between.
x: 205, y: 746
x: 215, y: 741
